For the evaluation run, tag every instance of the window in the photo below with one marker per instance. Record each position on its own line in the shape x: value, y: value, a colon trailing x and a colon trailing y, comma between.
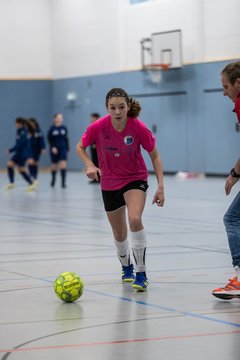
x: 136, y: 1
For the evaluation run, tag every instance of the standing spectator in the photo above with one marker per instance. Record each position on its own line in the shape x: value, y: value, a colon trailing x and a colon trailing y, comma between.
x: 231, y: 88
x: 59, y: 147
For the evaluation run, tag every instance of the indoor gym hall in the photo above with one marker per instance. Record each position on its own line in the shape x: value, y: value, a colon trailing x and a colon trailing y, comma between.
x: 63, y: 56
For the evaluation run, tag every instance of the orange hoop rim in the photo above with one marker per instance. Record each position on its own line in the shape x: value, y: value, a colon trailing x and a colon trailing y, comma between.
x: 157, y: 67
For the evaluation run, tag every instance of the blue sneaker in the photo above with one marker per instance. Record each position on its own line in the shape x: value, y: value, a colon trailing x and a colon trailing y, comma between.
x: 141, y: 281
x: 127, y: 273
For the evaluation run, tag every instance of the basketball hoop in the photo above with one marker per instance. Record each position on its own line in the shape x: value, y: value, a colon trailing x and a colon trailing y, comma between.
x: 155, y: 71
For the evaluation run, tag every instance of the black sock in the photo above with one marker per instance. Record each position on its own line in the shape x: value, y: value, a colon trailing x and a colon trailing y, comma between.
x: 26, y: 177
x: 54, y: 173
x: 10, y: 171
x: 63, y: 175
x: 36, y: 172
x: 32, y: 171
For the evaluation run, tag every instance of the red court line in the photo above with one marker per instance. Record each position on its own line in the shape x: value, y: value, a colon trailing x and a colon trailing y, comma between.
x: 116, y: 342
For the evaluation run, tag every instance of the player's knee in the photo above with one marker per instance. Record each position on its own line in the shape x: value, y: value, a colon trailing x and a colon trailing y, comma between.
x: 120, y: 234
x: 62, y: 165
x: 54, y: 167
x: 10, y: 164
x: 21, y: 170
x: 135, y: 223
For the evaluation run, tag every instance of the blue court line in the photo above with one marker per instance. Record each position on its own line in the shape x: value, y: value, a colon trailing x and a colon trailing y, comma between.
x: 155, y: 306
x: 164, y: 308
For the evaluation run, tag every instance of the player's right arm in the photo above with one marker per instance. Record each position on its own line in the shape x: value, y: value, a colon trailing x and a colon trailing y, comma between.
x: 92, y: 171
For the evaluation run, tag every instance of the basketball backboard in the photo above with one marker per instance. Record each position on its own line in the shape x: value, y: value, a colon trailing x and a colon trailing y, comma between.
x: 162, y: 48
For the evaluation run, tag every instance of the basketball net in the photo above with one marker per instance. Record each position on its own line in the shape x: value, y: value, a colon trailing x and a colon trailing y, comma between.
x: 155, y: 72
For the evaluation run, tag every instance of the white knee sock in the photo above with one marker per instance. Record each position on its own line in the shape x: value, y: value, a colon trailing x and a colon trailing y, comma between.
x: 139, y: 244
x: 123, y: 252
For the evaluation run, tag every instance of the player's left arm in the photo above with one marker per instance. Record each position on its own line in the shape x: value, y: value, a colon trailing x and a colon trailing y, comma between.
x: 158, y: 169
x: 67, y: 140
x: 231, y: 181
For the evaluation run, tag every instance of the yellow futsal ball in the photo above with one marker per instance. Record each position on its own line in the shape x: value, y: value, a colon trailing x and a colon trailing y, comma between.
x: 68, y: 286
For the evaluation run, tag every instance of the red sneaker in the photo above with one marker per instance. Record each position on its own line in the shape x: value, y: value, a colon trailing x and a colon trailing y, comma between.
x: 230, y: 291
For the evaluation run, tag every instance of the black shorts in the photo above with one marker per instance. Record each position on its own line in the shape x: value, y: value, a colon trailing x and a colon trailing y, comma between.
x: 114, y: 199
x: 19, y: 160
x: 35, y: 155
x: 60, y: 156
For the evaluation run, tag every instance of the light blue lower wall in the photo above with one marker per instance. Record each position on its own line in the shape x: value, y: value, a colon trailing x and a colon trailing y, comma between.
x: 194, y: 122
x: 23, y: 98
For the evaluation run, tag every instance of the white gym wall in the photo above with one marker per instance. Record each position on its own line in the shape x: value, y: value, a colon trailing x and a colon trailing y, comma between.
x: 68, y: 38
x: 102, y: 36
x: 25, y: 39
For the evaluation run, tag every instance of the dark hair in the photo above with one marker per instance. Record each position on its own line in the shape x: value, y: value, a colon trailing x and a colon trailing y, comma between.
x: 135, y: 107
x: 96, y: 115
x: 22, y: 121
x: 35, y: 122
x: 232, y: 71
x: 32, y: 128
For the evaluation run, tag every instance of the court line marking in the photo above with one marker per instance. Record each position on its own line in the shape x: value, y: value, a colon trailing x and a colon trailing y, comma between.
x: 47, y: 278
x: 165, y: 308
x: 156, y: 306
x: 96, y: 257
x: 116, y: 342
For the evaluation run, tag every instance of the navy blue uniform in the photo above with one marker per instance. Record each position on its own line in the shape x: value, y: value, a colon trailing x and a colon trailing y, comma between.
x: 58, y: 137
x: 37, y: 144
x: 21, y: 149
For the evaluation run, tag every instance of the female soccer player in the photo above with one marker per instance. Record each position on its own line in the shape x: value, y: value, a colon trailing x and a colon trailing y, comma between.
x: 21, y: 154
x: 37, y: 147
x: 59, y: 147
x: 231, y: 88
x: 119, y: 137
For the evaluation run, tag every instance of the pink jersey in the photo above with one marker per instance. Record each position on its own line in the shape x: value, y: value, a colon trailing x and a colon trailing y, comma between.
x: 237, y: 108
x: 119, y: 153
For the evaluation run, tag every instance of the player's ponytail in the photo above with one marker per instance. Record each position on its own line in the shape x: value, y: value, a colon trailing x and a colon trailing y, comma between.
x: 135, y: 107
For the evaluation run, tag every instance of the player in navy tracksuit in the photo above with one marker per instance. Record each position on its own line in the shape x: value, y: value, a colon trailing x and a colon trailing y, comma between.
x: 59, y: 147
x: 21, y: 153
x: 37, y: 147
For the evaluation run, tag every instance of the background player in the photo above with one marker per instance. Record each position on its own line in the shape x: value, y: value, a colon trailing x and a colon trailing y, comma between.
x: 21, y: 154
x: 59, y: 147
x: 94, y: 156
x: 231, y: 85
x: 37, y: 147
x: 119, y: 137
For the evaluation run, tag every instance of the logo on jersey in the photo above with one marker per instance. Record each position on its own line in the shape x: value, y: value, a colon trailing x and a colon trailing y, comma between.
x: 110, y: 148
x: 116, y: 154
x: 63, y: 132
x: 128, y: 140
x: 106, y: 137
